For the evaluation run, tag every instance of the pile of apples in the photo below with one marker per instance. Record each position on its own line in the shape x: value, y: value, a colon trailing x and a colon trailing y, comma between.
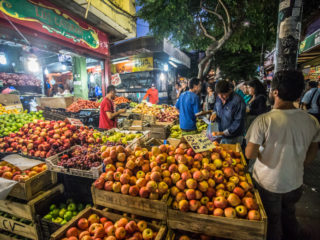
x: 212, y: 183
x: 11, y: 172
x: 95, y: 227
x: 46, y: 138
x: 137, y: 173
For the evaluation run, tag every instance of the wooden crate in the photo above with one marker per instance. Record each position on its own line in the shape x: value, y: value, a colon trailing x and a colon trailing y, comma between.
x: 161, y: 229
x: 136, y: 205
x: 232, y: 228
x: 5, y: 236
x: 32, y: 187
x: 26, y: 230
x: 28, y: 210
x: 158, y: 131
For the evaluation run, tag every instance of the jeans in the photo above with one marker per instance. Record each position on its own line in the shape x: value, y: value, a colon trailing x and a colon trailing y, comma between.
x: 280, y: 209
x: 234, y: 140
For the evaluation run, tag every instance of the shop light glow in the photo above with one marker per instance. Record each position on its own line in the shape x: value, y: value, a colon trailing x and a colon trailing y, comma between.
x: 165, y: 67
x: 91, y: 78
x: 162, y: 77
x: 3, y: 59
x: 46, y: 72
x: 64, y: 67
x: 33, y: 64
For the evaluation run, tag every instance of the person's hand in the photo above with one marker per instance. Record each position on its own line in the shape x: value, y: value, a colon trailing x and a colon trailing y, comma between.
x: 123, y: 110
x: 213, y: 117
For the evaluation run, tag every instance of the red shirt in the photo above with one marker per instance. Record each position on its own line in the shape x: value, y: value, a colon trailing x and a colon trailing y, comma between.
x: 104, y: 121
x: 153, y: 95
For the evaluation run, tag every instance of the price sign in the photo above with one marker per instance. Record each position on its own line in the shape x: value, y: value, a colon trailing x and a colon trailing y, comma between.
x: 199, y: 142
x: 75, y: 122
x: 15, y: 106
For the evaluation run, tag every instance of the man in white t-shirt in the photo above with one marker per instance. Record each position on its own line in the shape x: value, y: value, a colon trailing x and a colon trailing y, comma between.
x: 287, y: 138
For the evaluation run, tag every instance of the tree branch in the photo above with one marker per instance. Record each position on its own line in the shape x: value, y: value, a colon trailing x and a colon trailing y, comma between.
x: 204, y: 30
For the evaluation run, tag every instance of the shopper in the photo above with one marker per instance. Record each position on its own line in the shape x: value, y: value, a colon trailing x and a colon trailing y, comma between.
x: 188, y: 105
x: 288, y: 140
x: 209, y: 99
x: 184, y: 88
x: 242, y: 91
x: 311, y: 100
x: 107, y: 115
x: 62, y: 91
x: 229, y: 112
x: 152, y: 94
x: 258, y: 103
x: 174, y: 94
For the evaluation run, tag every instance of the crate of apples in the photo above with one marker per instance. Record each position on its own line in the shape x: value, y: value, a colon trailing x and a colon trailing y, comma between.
x: 140, y: 178
x: 213, y: 185
x: 97, y: 224
x: 11, y: 172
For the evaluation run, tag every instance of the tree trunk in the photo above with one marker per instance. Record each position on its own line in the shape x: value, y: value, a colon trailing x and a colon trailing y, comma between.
x: 288, y: 34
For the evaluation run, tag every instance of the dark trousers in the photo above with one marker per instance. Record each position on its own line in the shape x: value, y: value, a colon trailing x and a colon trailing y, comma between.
x: 280, y: 209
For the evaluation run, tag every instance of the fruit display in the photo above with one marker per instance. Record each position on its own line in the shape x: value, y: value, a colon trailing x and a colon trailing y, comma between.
x: 10, y: 123
x: 137, y: 172
x: 212, y: 183
x: 99, y: 227
x: 163, y: 113
x: 63, y: 212
x: 112, y: 138
x: 184, y: 235
x: 82, y: 104
x: 11, y: 172
x: 3, y: 110
x: 120, y: 100
x: 177, y: 133
x: 81, y: 157
x: 13, y: 79
x: 133, y: 104
x: 46, y: 138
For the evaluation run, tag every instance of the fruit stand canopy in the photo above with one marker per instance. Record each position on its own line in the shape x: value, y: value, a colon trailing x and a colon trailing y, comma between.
x: 148, y: 44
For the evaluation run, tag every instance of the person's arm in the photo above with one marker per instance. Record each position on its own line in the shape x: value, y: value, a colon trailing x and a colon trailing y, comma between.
x: 116, y: 114
x: 311, y: 153
x: 177, y: 103
x: 239, y: 115
x: 147, y: 95
x: 255, y: 138
x: 252, y: 150
x: 196, y: 106
x: 306, y: 99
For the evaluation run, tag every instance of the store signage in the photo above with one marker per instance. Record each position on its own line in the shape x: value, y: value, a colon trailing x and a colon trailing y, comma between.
x: 115, y: 79
x: 45, y: 17
x: 133, y: 65
x: 310, y: 41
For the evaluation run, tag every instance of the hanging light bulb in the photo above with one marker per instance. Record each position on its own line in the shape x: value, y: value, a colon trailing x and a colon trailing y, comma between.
x: 46, y: 72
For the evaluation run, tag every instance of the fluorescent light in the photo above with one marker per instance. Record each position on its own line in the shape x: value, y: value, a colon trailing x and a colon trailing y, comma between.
x: 173, y: 64
x: 64, y: 67
x: 33, y: 64
x: 165, y: 67
x: 162, y: 77
x: 120, y: 61
x: 3, y: 59
x: 307, y: 66
x: 46, y: 72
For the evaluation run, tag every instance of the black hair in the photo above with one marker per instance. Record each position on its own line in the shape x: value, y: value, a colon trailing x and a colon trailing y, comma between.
x: 111, y: 88
x: 194, y: 82
x: 289, y: 83
x: 223, y: 86
x: 313, y: 84
x: 61, y: 86
x: 211, y: 86
x: 258, y: 87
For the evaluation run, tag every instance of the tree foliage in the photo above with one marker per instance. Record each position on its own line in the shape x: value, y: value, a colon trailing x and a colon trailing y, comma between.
x: 253, y: 24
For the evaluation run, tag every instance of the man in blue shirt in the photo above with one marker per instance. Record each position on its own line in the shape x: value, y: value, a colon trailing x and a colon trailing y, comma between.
x: 229, y: 112
x: 310, y: 99
x: 189, y: 105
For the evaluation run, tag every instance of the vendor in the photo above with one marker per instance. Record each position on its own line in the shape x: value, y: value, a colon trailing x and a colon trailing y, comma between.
x: 107, y: 115
x: 62, y: 91
x: 189, y: 105
x: 152, y: 94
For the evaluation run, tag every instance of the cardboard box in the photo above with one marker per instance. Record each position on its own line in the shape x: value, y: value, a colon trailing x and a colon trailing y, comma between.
x: 55, y: 102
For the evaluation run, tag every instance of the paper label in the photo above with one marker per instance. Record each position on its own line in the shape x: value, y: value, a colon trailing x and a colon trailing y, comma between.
x: 21, y: 162
x: 75, y: 122
x: 6, y: 186
x: 16, y: 106
x: 199, y: 142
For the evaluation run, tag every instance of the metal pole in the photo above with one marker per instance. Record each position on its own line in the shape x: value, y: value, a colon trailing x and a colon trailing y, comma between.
x: 288, y: 34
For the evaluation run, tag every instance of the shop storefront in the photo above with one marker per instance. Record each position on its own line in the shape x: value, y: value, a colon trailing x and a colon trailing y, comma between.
x: 140, y: 62
x: 43, y: 49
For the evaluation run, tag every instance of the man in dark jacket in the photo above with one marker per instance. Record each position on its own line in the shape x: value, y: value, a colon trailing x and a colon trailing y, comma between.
x: 229, y: 112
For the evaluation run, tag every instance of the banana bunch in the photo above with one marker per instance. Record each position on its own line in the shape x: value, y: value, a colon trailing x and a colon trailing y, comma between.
x: 175, y: 131
x: 201, y: 125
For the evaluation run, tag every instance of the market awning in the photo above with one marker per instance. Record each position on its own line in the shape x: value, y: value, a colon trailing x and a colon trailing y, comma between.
x: 309, y: 48
x: 148, y: 44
